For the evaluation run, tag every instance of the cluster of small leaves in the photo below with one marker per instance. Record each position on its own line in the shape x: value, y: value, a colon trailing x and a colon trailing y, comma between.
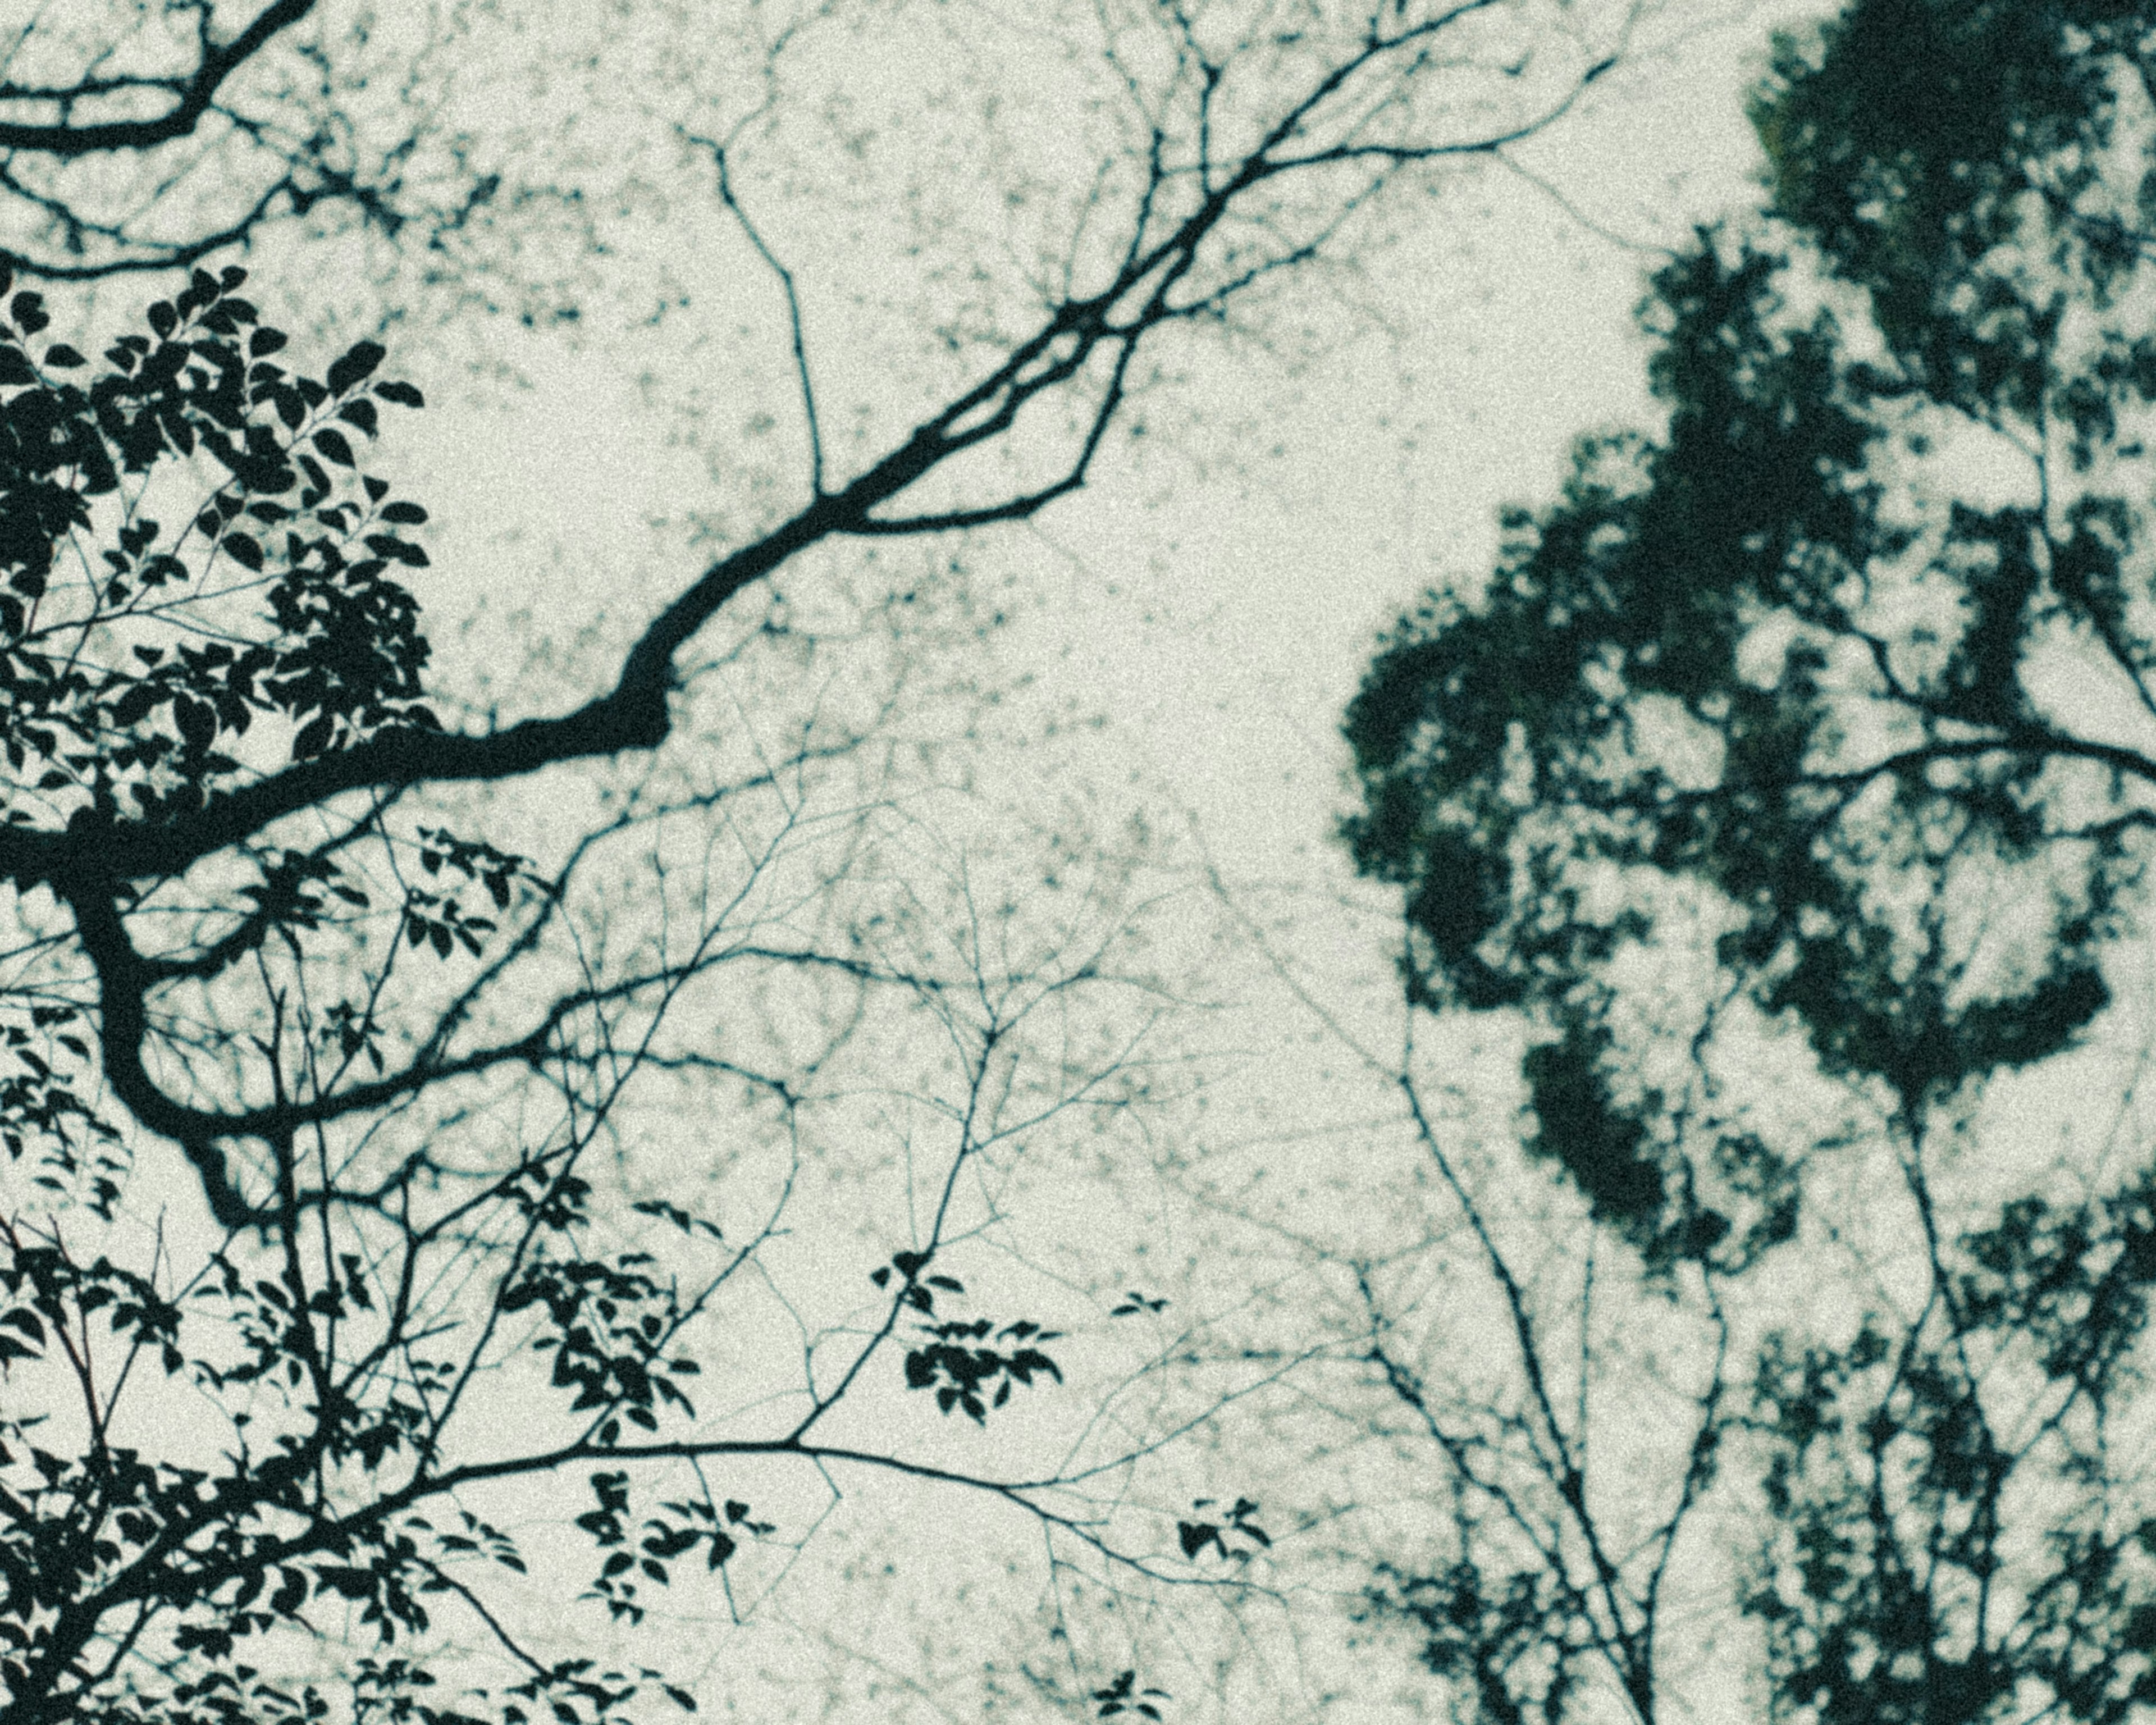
x: 40, y: 1105
x: 555, y: 1198
x: 275, y: 1333
x: 961, y: 1360
x: 575, y: 1692
x: 1135, y: 1303
x: 351, y: 1031
x: 228, y: 1558
x: 1494, y: 1639
x: 335, y: 650
x: 677, y: 1529
x: 611, y: 1324
x: 680, y: 1218
x: 1123, y: 1696
x: 479, y: 1539
x: 289, y: 895
x: 42, y: 1286
x: 1889, y: 1479
x: 437, y: 918
x: 474, y: 859
x: 915, y: 1290
x: 1195, y: 1537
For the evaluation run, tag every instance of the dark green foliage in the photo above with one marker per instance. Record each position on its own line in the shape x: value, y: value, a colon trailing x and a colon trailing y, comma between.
x: 1895, y: 1584
x: 130, y: 686
x: 1490, y: 1638
x: 1765, y: 654
x: 958, y: 1362
x: 1123, y: 1696
x: 1849, y: 666
x: 325, y: 643
x: 328, y: 641
x: 1578, y: 1123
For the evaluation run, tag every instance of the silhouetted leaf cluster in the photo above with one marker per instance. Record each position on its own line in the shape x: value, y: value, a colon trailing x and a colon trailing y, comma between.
x: 1759, y: 655
x: 1195, y: 1537
x: 1777, y: 672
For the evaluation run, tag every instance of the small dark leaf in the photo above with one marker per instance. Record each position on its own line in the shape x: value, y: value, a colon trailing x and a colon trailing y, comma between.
x: 243, y: 550
x: 360, y: 359
x: 291, y: 1592
x: 134, y: 707
x: 313, y: 738
x: 266, y: 340
x: 197, y: 720
x: 63, y: 357
x: 332, y: 443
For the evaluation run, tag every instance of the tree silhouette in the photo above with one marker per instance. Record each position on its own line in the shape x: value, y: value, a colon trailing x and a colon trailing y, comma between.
x: 390, y: 976
x: 1834, y: 692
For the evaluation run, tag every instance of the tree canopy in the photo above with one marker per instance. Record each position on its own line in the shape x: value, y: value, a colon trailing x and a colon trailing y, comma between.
x: 1803, y: 747
x: 1782, y: 650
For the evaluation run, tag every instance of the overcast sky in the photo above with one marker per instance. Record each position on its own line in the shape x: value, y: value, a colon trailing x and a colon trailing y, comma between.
x: 1217, y: 601
x: 1220, y: 600
x: 1214, y: 600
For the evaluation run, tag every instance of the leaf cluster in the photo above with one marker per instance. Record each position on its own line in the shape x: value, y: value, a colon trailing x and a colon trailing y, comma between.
x: 1765, y: 671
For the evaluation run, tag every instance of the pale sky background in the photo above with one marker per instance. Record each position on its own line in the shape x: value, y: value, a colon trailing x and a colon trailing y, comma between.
x: 1216, y: 601
x: 1220, y: 600
x: 1219, y: 604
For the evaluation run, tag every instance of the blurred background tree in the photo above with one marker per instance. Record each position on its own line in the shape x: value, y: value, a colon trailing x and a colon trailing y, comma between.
x: 1790, y: 782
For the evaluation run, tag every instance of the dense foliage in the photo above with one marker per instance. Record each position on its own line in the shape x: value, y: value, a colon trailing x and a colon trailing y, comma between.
x: 221, y: 1457
x: 1778, y: 652
x: 1805, y: 748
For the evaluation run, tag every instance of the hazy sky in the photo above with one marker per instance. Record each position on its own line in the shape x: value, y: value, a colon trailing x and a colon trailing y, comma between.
x: 1215, y: 600
x: 1220, y: 601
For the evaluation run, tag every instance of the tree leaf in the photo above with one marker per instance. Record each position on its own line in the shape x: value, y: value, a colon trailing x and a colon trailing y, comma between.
x: 313, y: 738
x: 359, y: 360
